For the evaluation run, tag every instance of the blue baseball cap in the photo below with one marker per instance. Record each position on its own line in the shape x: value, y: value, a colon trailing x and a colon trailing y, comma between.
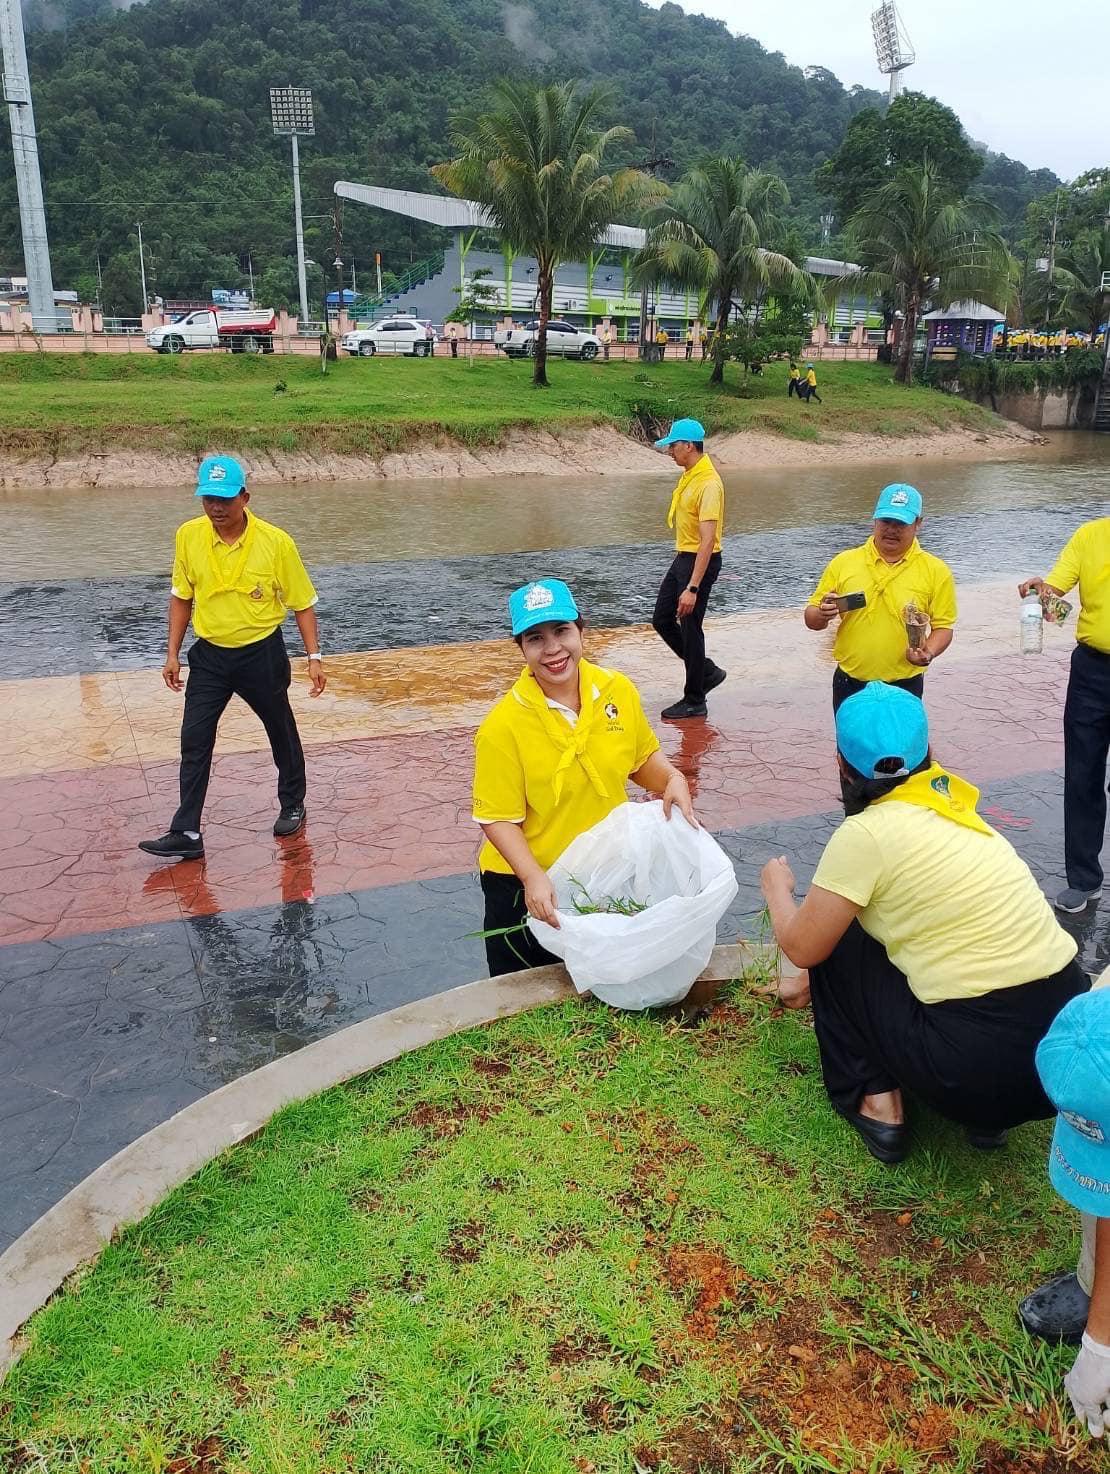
x: 898, y: 502
x: 882, y: 722
x: 547, y: 601
x: 1073, y: 1060
x: 682, y: 430
x: 220, y: 476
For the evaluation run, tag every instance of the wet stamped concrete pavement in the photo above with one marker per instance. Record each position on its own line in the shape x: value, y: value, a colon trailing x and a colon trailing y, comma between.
x: 129, y: 989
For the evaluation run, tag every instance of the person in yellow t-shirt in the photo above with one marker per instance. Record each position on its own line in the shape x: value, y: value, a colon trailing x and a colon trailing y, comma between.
x: 869, y: 588
x: 662, y: 338
x: 1085, y: 561
x: 235, y: 577
x: 550, y: 761
x: 697, y: 514
x: 935, y: 962
x: 809, y: 390
x: 794, y: 382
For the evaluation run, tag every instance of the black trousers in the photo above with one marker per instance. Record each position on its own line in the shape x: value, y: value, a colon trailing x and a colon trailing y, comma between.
x: 845, y: 685
x: 971, y: 1060
x: 685, y: 636
x: 689, y: 351
x: 505, y: 906
x: 1086, y: 743
x: 259, y: 675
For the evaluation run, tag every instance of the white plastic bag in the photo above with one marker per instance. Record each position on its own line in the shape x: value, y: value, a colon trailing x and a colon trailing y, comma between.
x: 685, y: 879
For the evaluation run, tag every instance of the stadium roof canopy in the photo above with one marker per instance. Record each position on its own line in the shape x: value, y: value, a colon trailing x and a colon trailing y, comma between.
x: 454, y: 214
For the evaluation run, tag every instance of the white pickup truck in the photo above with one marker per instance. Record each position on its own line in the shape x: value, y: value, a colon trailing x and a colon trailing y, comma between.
x: 241, y: 331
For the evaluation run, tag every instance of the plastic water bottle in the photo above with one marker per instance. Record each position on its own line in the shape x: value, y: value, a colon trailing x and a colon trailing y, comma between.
x: 1032, y: 624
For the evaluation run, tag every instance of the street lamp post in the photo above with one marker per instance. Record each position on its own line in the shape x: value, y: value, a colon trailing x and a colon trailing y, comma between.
x: 28, y: 179
x: 142, y: 265
x: 338, y: 264
x: 291, y: 111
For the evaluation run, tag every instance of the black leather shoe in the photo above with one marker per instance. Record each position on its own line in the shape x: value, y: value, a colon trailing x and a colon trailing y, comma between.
x: 986, y: 1141
x: 1057, y: 1310
x: 173, y: 846
x: 715, y: 680
x: 682, y: 710
x: 886, y: 1143
x: 289, y: 821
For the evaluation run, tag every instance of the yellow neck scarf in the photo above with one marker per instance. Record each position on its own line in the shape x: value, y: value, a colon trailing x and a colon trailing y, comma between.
x: 572, y: 740
x: 950, y: 797
x: 702, y: 465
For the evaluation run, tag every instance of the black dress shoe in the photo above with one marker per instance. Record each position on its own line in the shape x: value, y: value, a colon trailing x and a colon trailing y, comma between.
x: 173, y: 846
x: 682, y: 710
x: 1057, y: 1310
x: 289, y: 821
x: 715, y: 680
x: 886, y: 1143
x: 986, y: 1141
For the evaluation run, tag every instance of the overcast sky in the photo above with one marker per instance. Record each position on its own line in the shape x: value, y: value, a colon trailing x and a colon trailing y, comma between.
x: 1025, y: 76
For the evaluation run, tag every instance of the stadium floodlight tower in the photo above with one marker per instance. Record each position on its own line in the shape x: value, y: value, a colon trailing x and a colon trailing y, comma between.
x: 28, y: 180
x: 893, y: 47
x: 291, y: 110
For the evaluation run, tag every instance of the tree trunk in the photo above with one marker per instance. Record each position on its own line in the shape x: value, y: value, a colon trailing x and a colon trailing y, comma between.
x: 723, y: 309
x: 539, y: 367
x: 909, y: 333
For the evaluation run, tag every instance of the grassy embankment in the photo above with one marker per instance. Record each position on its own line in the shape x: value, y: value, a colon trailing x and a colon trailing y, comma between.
x: 62, y: 405
x: 577, y: 1242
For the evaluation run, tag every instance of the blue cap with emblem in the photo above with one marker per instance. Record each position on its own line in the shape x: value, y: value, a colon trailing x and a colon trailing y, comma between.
x: 691, y: 430
x: 898, y: 502
x: 220, y: 476
x: 547, y: 601
x: 1073, y: 1060
x: 882, y: 725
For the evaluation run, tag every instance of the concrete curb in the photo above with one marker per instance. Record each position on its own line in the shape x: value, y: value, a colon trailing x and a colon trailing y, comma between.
x: 128, y: 1185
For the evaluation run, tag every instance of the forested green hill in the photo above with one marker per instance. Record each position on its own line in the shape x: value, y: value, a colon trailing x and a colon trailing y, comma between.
x: 160, y: 114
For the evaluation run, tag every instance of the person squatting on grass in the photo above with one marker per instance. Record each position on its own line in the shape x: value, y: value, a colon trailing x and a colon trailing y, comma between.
x: 551, y: 760
x: 869, y: 589
x: 235, y: 577
x: 936, y: 964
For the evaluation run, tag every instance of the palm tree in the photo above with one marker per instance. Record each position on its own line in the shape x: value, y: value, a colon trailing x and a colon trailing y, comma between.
x: 535, y: 161
x: 913, y: 240
x: 709, y: 235
x: 1074, y: 294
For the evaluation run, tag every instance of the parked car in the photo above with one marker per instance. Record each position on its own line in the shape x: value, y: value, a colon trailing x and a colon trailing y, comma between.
x: 562, y: 337
x: 391, y: 335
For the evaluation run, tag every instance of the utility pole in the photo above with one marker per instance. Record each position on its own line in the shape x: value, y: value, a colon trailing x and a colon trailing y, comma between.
x: 142, y: 264
x: 1051, y: 261
x: 28, y: 179
x: 250, y: 273
x: 650, y: 166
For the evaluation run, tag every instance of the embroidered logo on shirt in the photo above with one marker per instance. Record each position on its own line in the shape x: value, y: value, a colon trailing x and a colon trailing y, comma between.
x: 537, y: 597
x: 1090, y: 1129
x: 256, y: 592
x: 611, y: 710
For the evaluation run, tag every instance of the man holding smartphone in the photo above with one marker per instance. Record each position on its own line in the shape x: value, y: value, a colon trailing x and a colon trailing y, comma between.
x: 896, y: 603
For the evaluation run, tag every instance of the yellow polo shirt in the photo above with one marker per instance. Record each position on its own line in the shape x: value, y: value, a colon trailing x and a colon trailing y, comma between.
x: 1086, y: 562
x: 517, y: 757
x: 958, y: 911
x: 871, y: 642
x: 698, y: 497
x: 242, y: 592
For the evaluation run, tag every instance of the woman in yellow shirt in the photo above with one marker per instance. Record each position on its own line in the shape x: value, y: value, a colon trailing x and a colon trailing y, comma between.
x: 551, y: 760
x: 936, y: 964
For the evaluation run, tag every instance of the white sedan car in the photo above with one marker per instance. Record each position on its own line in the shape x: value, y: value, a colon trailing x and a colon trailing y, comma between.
x: 562, y: 337
x: 392, y: 335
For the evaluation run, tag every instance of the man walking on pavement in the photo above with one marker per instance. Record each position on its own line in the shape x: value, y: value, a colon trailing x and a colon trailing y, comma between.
x: 1084, y: 561
x: 870, y: 588
x: 235, y: 577
x: 697, y: 513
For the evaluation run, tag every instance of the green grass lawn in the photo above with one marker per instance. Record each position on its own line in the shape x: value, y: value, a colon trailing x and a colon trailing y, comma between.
x: 63, y: 404
x: 577, y: 1242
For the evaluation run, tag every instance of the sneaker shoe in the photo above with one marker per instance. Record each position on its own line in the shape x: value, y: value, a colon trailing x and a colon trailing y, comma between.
x: 289, y: 821
x: 682, y: 710
x: 1073, y: 900
x: 715, y: 679
x: 173, y: 846
x: 1056, y: 1310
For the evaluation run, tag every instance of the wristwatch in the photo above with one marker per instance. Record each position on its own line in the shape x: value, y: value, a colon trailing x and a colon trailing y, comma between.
x: 692, y: 588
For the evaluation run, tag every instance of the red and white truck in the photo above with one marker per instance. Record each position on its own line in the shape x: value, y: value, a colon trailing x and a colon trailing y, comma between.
x: 241, y: 330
